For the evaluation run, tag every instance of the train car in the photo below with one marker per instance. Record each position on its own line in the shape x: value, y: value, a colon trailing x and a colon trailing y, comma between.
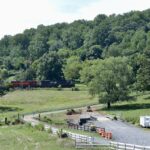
x: 42, y: 84
x: 67, y: 84
x: 48, y: 83
x: 63, y: 84
x: 15, y: 84
x: 23, y: 84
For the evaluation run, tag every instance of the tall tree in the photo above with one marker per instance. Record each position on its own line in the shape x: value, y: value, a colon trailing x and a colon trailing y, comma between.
x: 49, y: 67
x: 72, y: 68
x: 143, y: 74
x: 111, y: 79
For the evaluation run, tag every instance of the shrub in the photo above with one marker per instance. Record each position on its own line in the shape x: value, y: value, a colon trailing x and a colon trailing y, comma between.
x: 75, y: 89
x: 39, y: 127
x: 59, y: 88
x: 50, y: 130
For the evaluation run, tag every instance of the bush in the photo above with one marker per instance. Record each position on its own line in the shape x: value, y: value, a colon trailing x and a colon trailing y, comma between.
x: 59, y: 88
x: 46, y: 119
x: 16, y: 122
x: 93, y: 128
x: 71, y: 112
x: 39, y: 127
x: 28, y: 125
x: 75, y: 89
x: 50, y: 130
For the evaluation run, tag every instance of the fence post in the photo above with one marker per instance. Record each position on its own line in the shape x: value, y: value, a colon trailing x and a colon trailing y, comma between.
x: 75, y: 144
x: 6, y: 120
x: 110, y: 145
x: 18, y: 116
x: 118, y: 145
x: 39, y: 116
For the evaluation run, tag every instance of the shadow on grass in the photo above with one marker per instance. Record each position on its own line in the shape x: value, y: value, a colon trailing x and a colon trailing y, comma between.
x: 126, y: 107
x: 147, y: 98
x: 9, y: 109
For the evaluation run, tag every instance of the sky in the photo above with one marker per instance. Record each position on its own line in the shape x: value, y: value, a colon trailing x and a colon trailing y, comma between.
x: 18, y: 15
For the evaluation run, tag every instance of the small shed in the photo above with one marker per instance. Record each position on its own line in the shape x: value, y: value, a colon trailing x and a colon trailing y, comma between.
x: 145, y: 121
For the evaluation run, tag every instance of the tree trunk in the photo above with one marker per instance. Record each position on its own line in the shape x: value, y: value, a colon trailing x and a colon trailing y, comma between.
x: 108, y: 105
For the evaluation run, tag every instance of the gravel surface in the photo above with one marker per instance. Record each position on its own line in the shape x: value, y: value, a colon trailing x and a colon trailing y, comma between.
x: 124, y: 132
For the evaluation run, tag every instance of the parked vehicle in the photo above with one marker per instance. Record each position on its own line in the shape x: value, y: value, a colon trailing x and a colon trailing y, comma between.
x: 145, y: 121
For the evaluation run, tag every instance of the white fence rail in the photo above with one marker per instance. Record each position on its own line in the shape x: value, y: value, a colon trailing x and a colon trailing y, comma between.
x: 89, y: 145
x: 80, y: 138
x: 112, y: 146
x: 124, y: 146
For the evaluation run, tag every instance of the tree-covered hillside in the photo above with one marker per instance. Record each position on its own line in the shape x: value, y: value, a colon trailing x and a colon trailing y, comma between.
x: 63, y: 50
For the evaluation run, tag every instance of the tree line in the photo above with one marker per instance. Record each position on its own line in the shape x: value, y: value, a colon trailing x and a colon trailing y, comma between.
x: 111, y: 54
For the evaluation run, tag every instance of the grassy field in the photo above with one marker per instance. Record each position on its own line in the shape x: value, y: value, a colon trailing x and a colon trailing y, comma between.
x: 22, y: 137
x: 131, y: 110
x: 27, y: 101
x: 28, y: 138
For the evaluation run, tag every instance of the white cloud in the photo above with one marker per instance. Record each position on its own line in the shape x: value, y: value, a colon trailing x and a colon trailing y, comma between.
x: 17, y: 15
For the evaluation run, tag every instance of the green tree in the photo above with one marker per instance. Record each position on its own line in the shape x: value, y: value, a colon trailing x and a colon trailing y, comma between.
x: 94, y: 52
x: 111, y: 79
x: 143, y: 74
x: 49, y: 67
x: 88, y: 70
x: 38, y: 46
x: 72, y: 68
x: 29, y: 74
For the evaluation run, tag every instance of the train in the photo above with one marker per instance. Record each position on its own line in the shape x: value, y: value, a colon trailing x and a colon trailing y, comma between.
x: 42, y: 84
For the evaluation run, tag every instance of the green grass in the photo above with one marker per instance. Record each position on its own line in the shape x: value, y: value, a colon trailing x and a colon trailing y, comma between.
x: 131, y: 110
x: 27, y: 101
x: 28, y: 138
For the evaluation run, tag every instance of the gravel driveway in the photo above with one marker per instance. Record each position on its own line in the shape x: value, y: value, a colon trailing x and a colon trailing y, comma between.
x: 124, y: 132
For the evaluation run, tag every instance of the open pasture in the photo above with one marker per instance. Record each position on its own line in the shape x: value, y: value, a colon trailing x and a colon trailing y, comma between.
x: 38, y: 100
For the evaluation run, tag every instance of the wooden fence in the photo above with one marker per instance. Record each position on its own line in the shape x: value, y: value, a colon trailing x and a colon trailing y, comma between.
x: 124, y: 146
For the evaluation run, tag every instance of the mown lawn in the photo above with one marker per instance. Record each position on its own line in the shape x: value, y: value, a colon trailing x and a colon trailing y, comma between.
x: 27, y: 101
x: 131, y: 110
